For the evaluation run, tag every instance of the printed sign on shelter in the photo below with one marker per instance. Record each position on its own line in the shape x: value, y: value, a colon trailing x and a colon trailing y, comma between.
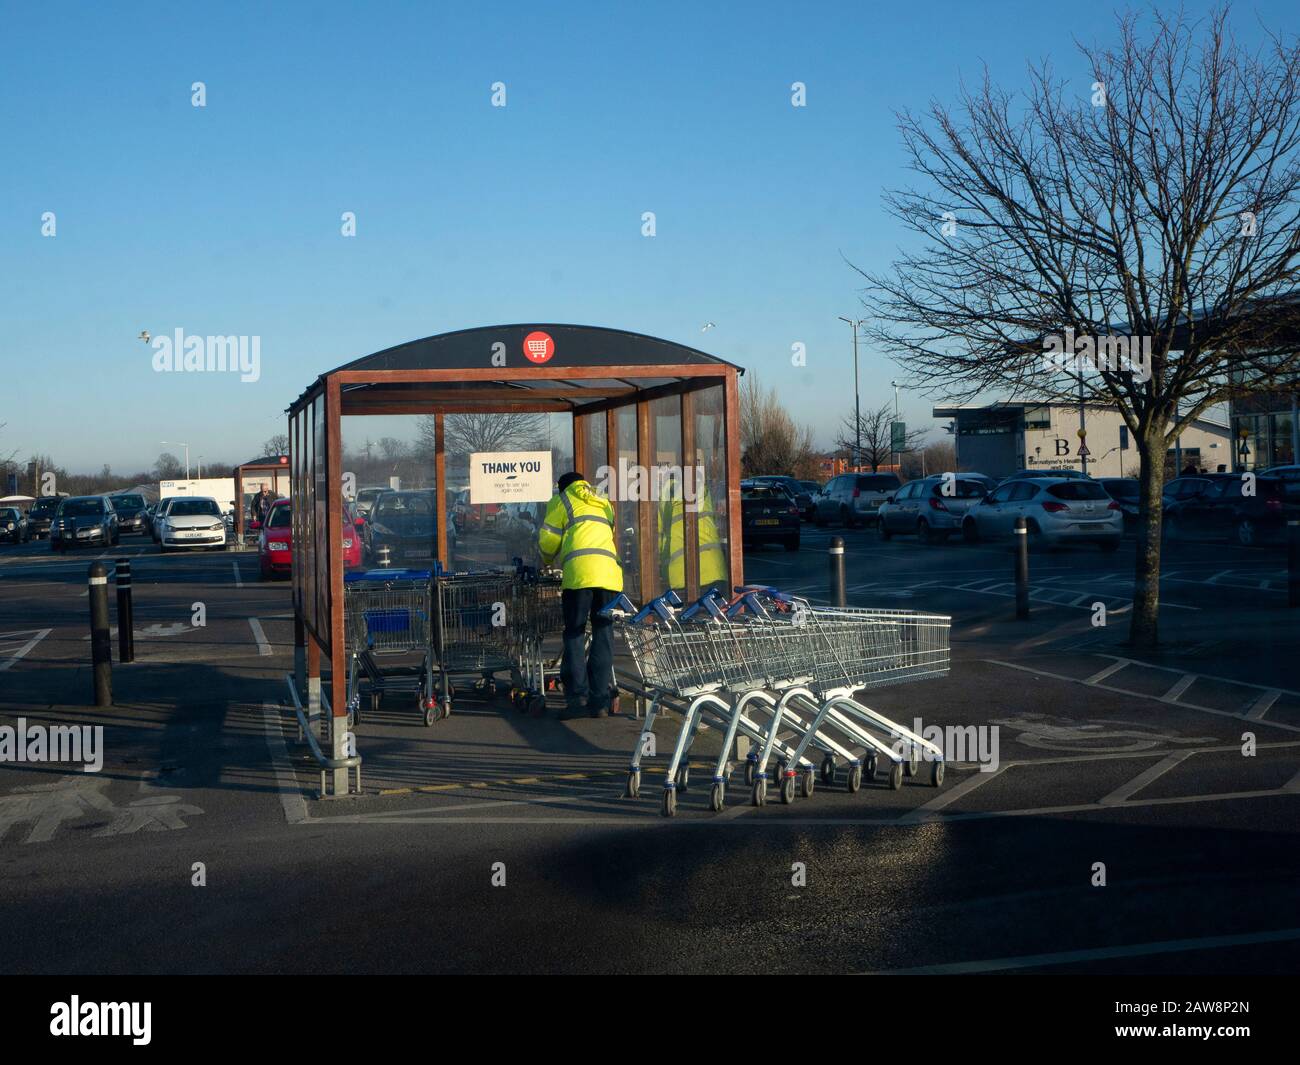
x: 510, y: 477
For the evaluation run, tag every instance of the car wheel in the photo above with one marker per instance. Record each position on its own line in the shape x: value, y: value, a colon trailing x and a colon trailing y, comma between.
x: 1035, y: 537
x: 792, y: 543
x: 1171, y: 529
x: 885, y: 534
x: 1110, y: 545
x: 846, y: 518
x: 819, y: 521
x: 924, y: 533
x: 970, y: 532
x: 1247, y: 535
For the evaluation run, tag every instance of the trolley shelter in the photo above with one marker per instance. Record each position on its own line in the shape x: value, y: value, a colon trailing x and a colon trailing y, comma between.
x: 651, y: 422
x: 271, y: 471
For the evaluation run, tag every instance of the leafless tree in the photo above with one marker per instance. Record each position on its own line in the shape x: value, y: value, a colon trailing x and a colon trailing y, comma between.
x: 1162, y: 201
x: 276, y: 445
x: 466, y: 433
x: 875, y: 434
x: 770, y: 441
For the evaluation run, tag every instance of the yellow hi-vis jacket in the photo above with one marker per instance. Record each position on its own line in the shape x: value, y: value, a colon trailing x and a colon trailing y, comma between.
x: 672, y: 537
x: 578, y: 531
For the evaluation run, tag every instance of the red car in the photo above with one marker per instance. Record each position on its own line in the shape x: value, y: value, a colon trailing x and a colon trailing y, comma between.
x: 275, y: 543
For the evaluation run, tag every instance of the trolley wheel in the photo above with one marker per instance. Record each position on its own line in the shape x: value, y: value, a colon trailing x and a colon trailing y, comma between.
x: 717, y: 796
x: 670, y: 803
x: 806, y: 784
x: 778, y: 774
x: 758, y: 796
x: 828, y: 770
x: 537, y: 706
x: 912, y: 765
x: 432, y: 714
x: 749, y: 773
x: 683, y: 777
x: 633, y: 784
x: 787, y: 790
x: 869, y: 767
x: 895, y: 776
x: 854, y: 782
x: 936, y: 773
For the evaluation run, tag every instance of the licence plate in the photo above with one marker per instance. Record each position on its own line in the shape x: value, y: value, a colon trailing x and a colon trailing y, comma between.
x: 192, y: 534
x: 767, y: 521
x: 418, y: 553
x: 1090, y: 525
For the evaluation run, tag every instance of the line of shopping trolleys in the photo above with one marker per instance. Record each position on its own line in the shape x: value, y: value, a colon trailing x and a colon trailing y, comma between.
x: 788, y: 676
x: 413, y: 632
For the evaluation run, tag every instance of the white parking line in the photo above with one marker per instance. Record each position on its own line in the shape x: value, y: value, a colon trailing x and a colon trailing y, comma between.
x: 291, y: 800
x: 951, y: 795
x: 1127, y: 791
x: 10, y: 659
x: 239, y: 581
x: 1181, y: 685
x: 1261, y: 706
x: 1114, y: 667
x: 259, y: 634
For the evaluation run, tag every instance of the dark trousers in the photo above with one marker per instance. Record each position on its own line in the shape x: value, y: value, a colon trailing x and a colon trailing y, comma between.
x: 588, y: 675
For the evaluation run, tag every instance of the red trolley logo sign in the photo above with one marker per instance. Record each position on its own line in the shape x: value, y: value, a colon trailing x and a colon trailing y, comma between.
x: 539, y: 347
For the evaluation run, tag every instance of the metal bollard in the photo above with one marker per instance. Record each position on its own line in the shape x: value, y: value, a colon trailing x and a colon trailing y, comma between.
x: 838, y: 593
x: 1022, y: 570
x: 1293, y: 563
x: 125, y: 613
x: 101, y: 644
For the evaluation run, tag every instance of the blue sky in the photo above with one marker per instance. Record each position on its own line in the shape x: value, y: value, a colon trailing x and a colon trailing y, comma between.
x: 225, y: 219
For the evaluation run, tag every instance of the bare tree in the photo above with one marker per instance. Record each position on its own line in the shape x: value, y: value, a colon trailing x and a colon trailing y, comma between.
x: 276, y: 445
x: 770, y: 441
x: 465, y: 433
x: 1164, y: 207
x: 874, y: 438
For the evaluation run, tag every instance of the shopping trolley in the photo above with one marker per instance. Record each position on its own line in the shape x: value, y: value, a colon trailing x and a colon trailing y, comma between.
x: 538, y: 615
x: 386, y: 620
x: 473, y: 615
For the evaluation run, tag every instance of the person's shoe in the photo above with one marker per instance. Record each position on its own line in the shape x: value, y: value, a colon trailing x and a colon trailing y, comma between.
x: 569, y: 713
x: 599, y: 711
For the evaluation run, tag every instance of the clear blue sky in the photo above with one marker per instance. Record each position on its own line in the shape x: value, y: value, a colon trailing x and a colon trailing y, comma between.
x: 225, y: 219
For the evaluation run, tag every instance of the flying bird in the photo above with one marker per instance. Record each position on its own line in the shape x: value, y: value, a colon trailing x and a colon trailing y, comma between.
x: 144, y: 335
x: 707, y: 326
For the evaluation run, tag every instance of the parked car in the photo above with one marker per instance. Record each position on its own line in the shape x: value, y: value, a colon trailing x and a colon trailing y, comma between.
x: 1190, y: 486
x: 405, y: 522
x: 83, y: 520
x: 160, y: 512
x: 13, y: 525
x: 191, y: 521
x: 41, y: 516
x: 1056, y: 511
x: 854, y: 497
x: 1127, y: 492
x: 932, y: 508
x: 366, y: 499
x: 768, y: 515
x: 1046, y: 474
x: 130, y: 512
x: 353, y: 524
x: 797, y: 491
x: 275, y: 541
x: 1224, y: 512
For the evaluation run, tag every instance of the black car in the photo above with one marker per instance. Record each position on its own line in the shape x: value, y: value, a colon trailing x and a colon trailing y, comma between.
x: 1126, y: 491
x: 130, y: 513
x: 84, y: 521
x: 405, y: 522
x: 768, y: 515
x: 41, y: 516
x: 13, y: 526
x: 796, y: 490
x: 1225, y: 510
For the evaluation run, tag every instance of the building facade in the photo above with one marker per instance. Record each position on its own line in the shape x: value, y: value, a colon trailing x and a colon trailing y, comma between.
x: 999, y: 438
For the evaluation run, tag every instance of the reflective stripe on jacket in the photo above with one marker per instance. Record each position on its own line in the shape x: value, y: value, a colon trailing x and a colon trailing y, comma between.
x: 672, y: 537
x: 578, y: 533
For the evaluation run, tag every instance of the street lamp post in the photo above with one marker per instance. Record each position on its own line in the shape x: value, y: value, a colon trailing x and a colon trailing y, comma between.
x: 177, y: 443
x: 894, y: 461
x: 857, y: 402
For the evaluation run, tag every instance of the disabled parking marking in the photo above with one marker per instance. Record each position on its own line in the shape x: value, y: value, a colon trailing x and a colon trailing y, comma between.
x: 18, y: 646
x: 49, y: 806
x: 1126, y: 791
x: 1096, y: 737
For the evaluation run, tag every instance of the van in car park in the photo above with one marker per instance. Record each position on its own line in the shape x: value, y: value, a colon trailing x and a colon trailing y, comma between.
x: 851, y: 498
x: 931, y: 508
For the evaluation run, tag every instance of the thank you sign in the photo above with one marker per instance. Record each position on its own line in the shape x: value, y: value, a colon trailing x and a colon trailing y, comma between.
x: 510, y: 477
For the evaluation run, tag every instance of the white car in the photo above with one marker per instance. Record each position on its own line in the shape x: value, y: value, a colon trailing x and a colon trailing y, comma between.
x: 192, y: 521
x: 1056, y: 510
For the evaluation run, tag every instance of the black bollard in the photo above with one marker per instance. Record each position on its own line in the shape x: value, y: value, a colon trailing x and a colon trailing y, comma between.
x: 836, y: 553
x: 1293, y: 563
x: 101, y: 644
x: 125, y: 614
x: 1022, y: 570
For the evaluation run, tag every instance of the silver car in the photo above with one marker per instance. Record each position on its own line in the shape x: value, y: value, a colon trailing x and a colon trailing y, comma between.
x: 933, y: 508
x: 1056, y: 510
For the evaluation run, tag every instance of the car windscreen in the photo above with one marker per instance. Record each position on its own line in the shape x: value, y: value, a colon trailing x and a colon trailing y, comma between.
x: 9, y: 514
x: 401, y: 505
x: 44, y: 508
x: 766, y: 493
x: 878, y: 482
x: 82, y: 508
x: 127, y: 503
x: 193, y: 508
x: 280, y: 518
x: 1078, y: 490
x: 959, y: 490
